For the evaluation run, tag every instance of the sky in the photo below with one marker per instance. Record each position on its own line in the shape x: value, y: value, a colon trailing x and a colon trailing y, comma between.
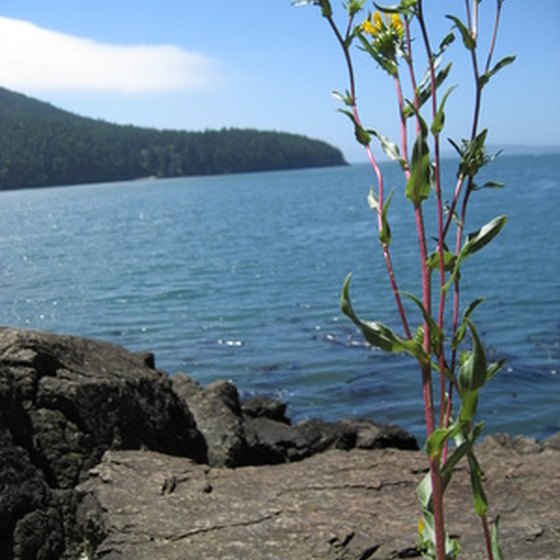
x: 209, y: 64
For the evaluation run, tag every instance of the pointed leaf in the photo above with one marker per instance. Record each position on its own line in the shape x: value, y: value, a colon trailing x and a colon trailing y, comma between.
x: 447, y: 40
x: 475, y: 242
x: 435, y: 443
x: 424, y: 90
x: 439, y: 118
x: 485, y: 78
x: 385, y: 233
x: 448, y: 260
x: 372, y: 199
x: 495, y: 540
x: 436, y: 333
x: 479, y: 497
x: 468, y: 39
x: 472, y: 373
x: 462, y: 329
x: 325, y: 5
x: 483, y: 236
x: 376, y: 333
x: 362, y: 135
x: 418, y: 184
x: 489, y: 185
x: 469, y: 405
x: 460, y: 451
x: 494, y: 368
x: 389, y: 147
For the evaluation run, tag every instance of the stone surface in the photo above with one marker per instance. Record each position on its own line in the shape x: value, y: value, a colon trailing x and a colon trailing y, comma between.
x: 103, y: 456
x: 217, y: 413
x: 340, y: 505
x: 63, y: 402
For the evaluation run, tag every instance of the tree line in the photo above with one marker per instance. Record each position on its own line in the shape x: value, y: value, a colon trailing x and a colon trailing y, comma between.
x: 41, y: 145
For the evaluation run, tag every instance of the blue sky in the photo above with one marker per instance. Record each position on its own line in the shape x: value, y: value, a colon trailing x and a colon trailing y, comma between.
x: 264, y: 64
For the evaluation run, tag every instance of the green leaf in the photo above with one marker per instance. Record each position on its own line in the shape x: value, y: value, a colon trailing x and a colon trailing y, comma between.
x: 361, y: 134
x: 439, y: 119
x: 462, y: 329
x: 325, y: 5
x: 376, y: 333
x: 468, y: 39
x: 494, y: 368
x: 488, y: 185
x: 447, y: 40
x: 448, y: 260
x: 396, y: 9
x: 483, y: 236
x: 389, y: 147
x: 387, y: 63
x: 479, y: 497
x: 345, y: 98
x: 495, y: 540
x: 475, y: 242
x: 471, y: 307
x: 385, y: 233
x: 424, y: 491
x: 459, y: 452
x: 473, y: 154
x: 469, y: 404
x: 435, y: 443
x: 418, y: 184
x: 472, y: 372
x: 436, y: 334
x: 354, y: 6
x: 485, y: 78
x: 424, y: 90
x: 372, y: 199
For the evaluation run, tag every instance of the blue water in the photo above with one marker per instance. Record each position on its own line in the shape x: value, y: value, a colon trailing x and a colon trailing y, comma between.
x: 239, y: 277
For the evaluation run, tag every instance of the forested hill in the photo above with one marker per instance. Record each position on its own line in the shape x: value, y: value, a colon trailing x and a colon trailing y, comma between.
x: 41, y: 145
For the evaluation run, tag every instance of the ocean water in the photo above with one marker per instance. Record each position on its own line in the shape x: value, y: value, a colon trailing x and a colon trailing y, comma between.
x: 238, y: 277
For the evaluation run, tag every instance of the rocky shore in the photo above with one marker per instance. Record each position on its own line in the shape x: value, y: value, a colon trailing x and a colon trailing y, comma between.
x: 102, y: 456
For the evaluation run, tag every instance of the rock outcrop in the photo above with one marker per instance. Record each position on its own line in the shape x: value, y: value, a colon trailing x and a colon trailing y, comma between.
x: 339, y: 505
x: 103, y: 457
x: 65, y: 401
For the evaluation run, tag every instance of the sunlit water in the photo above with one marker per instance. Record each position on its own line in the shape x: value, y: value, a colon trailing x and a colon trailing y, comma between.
x: 239, y: 277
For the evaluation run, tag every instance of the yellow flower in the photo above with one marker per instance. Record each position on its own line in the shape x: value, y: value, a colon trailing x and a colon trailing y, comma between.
x: 397, y: 24
x: 377, y: 22
x: 368, y: 27
x: 374, y: 25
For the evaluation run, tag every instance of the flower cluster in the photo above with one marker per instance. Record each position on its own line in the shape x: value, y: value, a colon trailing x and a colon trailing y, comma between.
x: 383, y: 38
x: 375, y: 26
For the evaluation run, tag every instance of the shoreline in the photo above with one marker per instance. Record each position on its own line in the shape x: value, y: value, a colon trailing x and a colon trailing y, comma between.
x: 74, y: 411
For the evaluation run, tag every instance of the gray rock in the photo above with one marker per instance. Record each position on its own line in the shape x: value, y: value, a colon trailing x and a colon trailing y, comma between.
x: 63, y: 402
x: 217, y: 414
x: 354, y: 433
x: 265, y: 407
x: 350, y: 505
x: 271, y: 442
x: 258, y: 432
x: 552, y: 442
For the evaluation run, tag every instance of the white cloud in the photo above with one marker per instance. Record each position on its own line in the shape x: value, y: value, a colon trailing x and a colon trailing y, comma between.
x: 33, y: 59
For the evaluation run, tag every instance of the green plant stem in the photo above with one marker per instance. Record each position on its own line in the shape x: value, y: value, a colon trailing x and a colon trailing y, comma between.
x: 344, y: 44
x: 427, y: 390
x: 404, y: 139
x: 437, y: 487
x: 439, y: 205
x: 412, y: 74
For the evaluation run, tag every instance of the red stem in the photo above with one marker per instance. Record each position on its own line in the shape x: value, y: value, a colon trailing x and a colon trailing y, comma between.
x: 487, y: 537
x: 439, y: 205
x: 374, y: 164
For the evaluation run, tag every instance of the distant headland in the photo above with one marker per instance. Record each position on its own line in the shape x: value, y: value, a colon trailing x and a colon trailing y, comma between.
x: 41, y: 146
